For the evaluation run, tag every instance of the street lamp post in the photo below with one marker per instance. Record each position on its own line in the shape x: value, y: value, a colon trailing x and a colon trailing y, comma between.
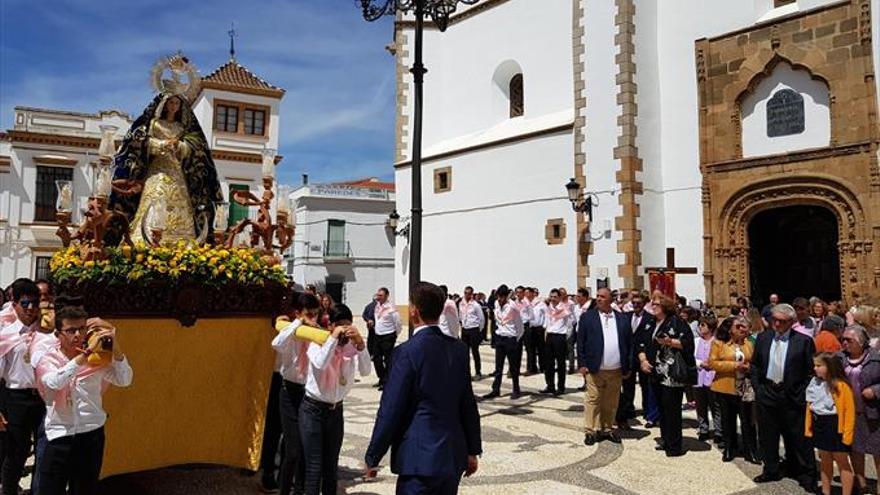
x: 438, y: 11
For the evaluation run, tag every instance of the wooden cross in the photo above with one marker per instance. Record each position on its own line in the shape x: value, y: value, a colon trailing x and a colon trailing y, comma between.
x: 670, y: 265
x: 663, y: 277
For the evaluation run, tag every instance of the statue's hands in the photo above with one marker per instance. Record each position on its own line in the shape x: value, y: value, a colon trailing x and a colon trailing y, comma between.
x: 127, y: 187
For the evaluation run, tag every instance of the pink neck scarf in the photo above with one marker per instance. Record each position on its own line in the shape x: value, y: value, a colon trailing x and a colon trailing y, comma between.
x: 333, y: 371
x: 52, y: 361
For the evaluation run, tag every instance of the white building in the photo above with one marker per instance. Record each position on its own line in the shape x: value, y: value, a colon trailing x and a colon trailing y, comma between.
x: 522, y: 95
x: 238, y: 111
x: 342, y: 244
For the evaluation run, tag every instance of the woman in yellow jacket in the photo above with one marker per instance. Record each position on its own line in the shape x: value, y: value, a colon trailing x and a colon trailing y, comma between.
x: 730, y: 357
x: 831, y: 419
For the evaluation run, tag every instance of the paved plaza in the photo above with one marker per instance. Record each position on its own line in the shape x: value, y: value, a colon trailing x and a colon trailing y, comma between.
x: 531, y: 446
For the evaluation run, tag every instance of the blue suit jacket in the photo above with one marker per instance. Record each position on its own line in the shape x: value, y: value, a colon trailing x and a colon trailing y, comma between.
x: 428, y: 415
x: 591, y: 342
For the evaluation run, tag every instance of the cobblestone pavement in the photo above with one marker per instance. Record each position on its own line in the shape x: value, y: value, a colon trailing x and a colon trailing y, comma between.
x: 531, y: 446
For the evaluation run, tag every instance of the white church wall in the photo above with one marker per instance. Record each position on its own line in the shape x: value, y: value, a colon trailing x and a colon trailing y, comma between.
x: 489, y: 229
x: 817, y: 114
x: 204, y: 111
x: 652, y: 216
x: 461, y: 96
x: 601, y: 136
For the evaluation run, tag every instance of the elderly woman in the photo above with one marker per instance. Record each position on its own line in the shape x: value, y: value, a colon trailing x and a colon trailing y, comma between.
x: 862, y: 366
x: 730, y: 358
x: 668, y: 356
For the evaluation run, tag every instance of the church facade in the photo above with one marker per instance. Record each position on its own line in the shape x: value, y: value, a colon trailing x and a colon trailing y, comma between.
x: 238, y: 111
x: 732, y: 144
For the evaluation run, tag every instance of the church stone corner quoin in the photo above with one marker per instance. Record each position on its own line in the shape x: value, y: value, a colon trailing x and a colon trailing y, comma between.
x: 584, y: 246
x: 831, y: 44
x: 626, y: 152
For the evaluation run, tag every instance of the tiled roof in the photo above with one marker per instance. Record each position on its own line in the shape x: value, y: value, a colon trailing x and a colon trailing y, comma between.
x: 369, y: 183
x: 233, y: 76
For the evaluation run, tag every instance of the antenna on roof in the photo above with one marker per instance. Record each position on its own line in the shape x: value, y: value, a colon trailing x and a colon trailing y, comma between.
x: 232, y: 35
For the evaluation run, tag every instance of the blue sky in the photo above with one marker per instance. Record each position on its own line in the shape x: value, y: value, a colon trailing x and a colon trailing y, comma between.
x: 337, y: 118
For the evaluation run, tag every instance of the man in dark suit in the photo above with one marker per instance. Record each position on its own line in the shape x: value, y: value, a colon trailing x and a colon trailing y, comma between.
x: 604, y: 344
x: 781, y: 369
x: 640, y: 320
x: 369, y: 316
x: 428, y: 414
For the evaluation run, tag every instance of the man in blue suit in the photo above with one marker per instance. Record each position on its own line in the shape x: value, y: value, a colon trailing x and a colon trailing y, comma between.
x: 428, y: 415
x: 604, y: 344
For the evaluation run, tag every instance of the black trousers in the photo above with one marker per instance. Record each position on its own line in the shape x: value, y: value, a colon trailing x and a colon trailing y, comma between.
x: 73, y: 461
x: 272, y: 431
x: 786, y: 420
x: 731, y: 407
x: 25, y: 411
x: 554, y: 360
x: 626, y: 409
x: 321, y: 428
x: 292, y: 472
x: 472, y: 338
x: 508, y: 348
x: 670, y: 417
x: 535, y: 356
x: 382, y: 358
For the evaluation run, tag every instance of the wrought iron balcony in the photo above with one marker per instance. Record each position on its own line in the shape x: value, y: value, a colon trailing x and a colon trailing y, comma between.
x: 337, y: 250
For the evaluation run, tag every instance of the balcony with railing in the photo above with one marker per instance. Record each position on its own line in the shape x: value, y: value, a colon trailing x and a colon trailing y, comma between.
x: 337, y: 251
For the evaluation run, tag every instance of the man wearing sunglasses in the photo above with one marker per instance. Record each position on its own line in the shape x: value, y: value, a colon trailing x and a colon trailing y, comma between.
x: 24, y: 409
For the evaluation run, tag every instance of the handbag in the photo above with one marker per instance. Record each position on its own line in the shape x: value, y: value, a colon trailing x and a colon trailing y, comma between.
x: 680, y: 371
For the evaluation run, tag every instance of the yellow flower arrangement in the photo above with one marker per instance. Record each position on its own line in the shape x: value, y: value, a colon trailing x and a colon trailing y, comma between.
x: 140, y: 263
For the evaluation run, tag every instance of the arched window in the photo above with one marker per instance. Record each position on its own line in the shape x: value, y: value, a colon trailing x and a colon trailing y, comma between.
x: 516, y: 96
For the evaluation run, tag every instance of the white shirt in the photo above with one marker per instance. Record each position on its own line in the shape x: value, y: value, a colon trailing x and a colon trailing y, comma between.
x: 539, y: 314
x: 87, y: 413
x: 525, y: 310
x: 579, y: 310
x: 387, y: 319
x: 508, y: 321
x: 611, y: 352
x: 471, y: 314
x: 288, y: 349
x: 637, y: 320
x: 448, y: 321
x: 18, y: 371
x: 561, y: 325
x: 320, y: 357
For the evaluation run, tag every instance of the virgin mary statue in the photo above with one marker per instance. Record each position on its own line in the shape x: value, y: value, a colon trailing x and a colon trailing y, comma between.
x: 164, y: 162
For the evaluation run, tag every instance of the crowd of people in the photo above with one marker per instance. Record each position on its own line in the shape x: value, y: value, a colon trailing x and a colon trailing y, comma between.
x: 55, y: 363
x: 806, y: 373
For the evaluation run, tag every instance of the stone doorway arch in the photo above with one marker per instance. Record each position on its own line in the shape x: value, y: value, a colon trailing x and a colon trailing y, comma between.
x: 729, y: 258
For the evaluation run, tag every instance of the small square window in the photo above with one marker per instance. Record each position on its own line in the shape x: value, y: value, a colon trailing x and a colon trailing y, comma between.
x: 554, y: 231
x: 443, y: 179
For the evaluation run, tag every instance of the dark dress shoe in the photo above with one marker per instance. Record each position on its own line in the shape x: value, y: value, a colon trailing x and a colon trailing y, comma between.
x: 766, y: 478
x: 650, y: 425
x: 515, y: 395
x: 727, y: 456
x: 750, y: 457
x: 582, y: 388
x: 659, y: 447
x: 589, y: 439
x: 675, y: 453
x: 559, y: 392
x: 624, y: 426
x: 613, y: 437
x: 491, y: 395
x: 703, y: 437
x: 547, y: 390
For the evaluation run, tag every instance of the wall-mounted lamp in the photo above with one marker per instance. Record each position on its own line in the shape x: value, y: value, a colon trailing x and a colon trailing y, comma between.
x: 584, y: 203
x: 392, y: 223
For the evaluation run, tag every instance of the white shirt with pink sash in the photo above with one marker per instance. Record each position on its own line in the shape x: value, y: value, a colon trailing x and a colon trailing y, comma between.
x: 559, y: 319
x: 291, y: 352
x: 509, y: 320
x: 387, y: 319
x: 74, y: 394
x: 471, y: 314
x: 331, y: 369
x: 449, y: 323
x: 17, y: 342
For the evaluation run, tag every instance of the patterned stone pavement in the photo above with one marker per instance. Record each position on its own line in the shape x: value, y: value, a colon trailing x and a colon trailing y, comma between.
x: 531, y: 446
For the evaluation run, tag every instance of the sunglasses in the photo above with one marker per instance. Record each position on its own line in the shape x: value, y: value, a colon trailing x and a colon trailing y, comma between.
x: 29, y: 303
x: 846, y: 340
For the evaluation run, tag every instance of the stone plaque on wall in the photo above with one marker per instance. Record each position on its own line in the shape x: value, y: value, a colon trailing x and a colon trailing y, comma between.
x: 785, y: 113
